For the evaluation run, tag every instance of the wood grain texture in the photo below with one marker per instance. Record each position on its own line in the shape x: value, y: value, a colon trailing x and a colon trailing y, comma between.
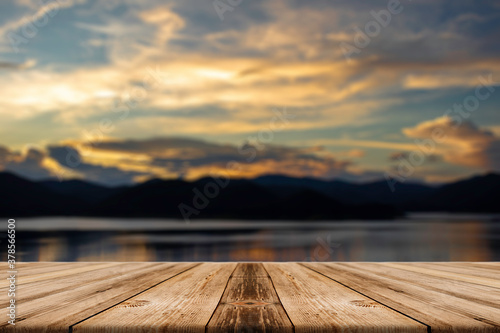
x: 250, y: 304
x: 45, y: 273
x: 184, y: 303
x: 441, y: 311
x: 65, y: 283
x: 55, y: 305
x: 30, y: 268
x: 315, y: 303
x: 474, y: 292
x: 488, y: 277
x: 495, y: 266
x: 255, y: 297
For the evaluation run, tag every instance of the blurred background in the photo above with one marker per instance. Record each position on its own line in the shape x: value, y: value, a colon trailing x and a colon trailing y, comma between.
x: 250, y: 130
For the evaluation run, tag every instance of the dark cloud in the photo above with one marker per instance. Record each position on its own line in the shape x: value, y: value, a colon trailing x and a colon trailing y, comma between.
x: 404, y: 155
x: 492, y: 151
x: 29, y: 165
x: 4, y: 155
x: 178, y: 155
x: 9, y: 65
x: 396, y: 156
x: 16, y: 66
x: 155, y: 145
x: 71, y: 159
x: 175, y: 157
x: 170, y: 157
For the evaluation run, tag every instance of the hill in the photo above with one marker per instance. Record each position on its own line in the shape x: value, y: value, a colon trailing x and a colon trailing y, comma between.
x: 21, y: 197
x: 267, y: 197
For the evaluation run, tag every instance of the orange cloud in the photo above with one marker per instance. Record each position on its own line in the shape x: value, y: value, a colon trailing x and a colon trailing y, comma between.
x: 130, y: 160
x: 463, y: 144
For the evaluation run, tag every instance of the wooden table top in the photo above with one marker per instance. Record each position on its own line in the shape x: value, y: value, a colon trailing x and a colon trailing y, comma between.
x: 255, y: 297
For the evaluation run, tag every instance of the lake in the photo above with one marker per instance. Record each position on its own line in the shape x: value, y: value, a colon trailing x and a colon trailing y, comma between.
x: 420, y: 237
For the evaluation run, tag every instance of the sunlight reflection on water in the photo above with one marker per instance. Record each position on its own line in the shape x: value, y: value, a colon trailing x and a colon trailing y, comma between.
x: 418, y: 238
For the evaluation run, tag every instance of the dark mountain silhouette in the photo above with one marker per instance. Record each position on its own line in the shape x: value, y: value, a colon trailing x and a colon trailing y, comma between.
x: 82, y: 190
x: 337, y: 190
x: 267, y: 197
x: 309, y: 204
x: 150, y: 199
x: 476, y: 194
x: 240, y: 197
x: 21, y: 197
x: 403, y: 192
x: 206, y: 199
x: 350, y: 193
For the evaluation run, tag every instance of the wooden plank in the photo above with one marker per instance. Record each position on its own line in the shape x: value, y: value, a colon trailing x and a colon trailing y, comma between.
x: 442, y: 312
x: 488, y: 266
x: 459, y: 272
x: 466, y: 268
x: 250, y: 304
x: 29, y: 268
x: 477, y: 293
x: 184, y: 303
x: 44, y: 287
x: 465, y: 274
x: 450, y: 297
x: 81, y: 298
x: 71, y: 271
x: 315, y: 303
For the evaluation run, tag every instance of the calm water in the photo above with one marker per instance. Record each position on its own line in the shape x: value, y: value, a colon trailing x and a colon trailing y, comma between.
x: 418, y: 238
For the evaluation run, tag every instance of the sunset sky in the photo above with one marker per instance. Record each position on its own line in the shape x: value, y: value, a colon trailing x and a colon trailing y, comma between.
x: 122, y: 91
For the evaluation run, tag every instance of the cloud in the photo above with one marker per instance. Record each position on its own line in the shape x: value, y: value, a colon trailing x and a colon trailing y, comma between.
x: 223, y: 79
x: 191, y: 159
x: 33, y: 164
x: 119, y: 162
x: 358, y: 153
x: 39, y: 12
x: 463, y: 144
x: 5, y: 156
x: 71, y: 159
x: 352, y: 153
x: 16, y: 66
x: 167, y: 21
x: 272, y: 55
x: 227, y: 66
x: 404, y: 155
x: 373, y: 144
x: 396, y: 156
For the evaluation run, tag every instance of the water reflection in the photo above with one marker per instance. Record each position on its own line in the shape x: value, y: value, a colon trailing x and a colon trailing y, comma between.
x: 420, y: 238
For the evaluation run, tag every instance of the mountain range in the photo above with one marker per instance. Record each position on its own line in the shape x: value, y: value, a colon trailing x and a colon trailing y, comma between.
x: 266, y: 197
